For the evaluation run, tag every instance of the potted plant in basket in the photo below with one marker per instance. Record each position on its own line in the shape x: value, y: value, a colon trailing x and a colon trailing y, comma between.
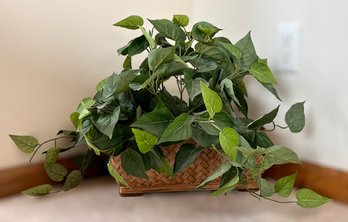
x: 159, y: 141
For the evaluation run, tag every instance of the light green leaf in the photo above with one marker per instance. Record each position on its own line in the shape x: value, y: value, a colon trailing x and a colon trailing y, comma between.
x: 145, y: 141
x: 83, y: 107
x: 278, y: 155
x: 229, y: 186
x: 157, y: 121
x: 295, y: 117
x: 119, y: 83
x: 181, y: 20
x: 74, y: 118
x: 52, y: 155
x: 204, y: 31
x: 148, y: 37
x: 267, y: 118
x: 159, y: 56
x: 127, y: 64
x: 224, y: 167
x: 101, y: 84
x: 307, y: 198
x: 266, y: 188
x: 38, y: 190
x: 211, y: 100
x: 133, y: 163
x: 55, y: 171
x: 113, y: 172
x: 284, y: 185
x: 73, y: 180
x: 26, y: 144
x: 169, y: 29
x: 106, y: 122
x: 229, y: 140
x: 234, y: 50
x: 185, y: 156
x: 262, y: 73
x: 179, y: 129
x: 131, y: 22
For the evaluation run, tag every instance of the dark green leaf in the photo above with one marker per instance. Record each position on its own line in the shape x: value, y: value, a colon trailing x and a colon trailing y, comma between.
x: 169, y: 29
x: 185, y: 156
x: 229, y: 140
x: 160, y: 163
x: 145, y: 141
x: 227, y: 86
x: 192, y: 85
x: 113, y: 172
x: 267, y: 118
x: 181, y: 20
x: 229, y: 186
x: 270, y: 88
x: 137, y: 45
x: 159, y: 56
x: 295, y: 117
x: 249, y: 55
x: 38, y: 190
x: 127, y: 64
x: 307, y: 198
x: 233, y: 50
x: 106, y: 122
x: 262, y: 140
x: 202, y: 138
x: 204, y: 31
x: 26, y: 144
x: 156, y: 121
x: 284, y: 185
x: 131, y: 22
x: 119, y: 83
x: 262, y: 73
x: 207, y: 67
x: 266, y: 188
x: 179, y: 129
x: 73, y: 180
x: 224, y: 167
x: 211, y: 100
x: 228, y: 176
x: 55, y: 171
x: 133, y: 163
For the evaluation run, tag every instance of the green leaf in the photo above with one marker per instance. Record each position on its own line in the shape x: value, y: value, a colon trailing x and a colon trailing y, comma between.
x: 202, y: 138
x: 169, y: 29
x: 267, y: 118
x: 229, y: 140
x: 157, y: 121
x: 72, y: 180
x: 133, y: 163
x: 229, y: 186
x: 92, y: 146
x: 270, y: 88
x: 52, y: 155
x: 38, y: 190
x: 179, y: 129
x: 185, y: 156
x: 148, y: 37
x: 159, y: 56
x: 145, y: 141
x: 26, y: 144
x: 113, y: 172
x: 131, y: 22
x: 307, y: 198
x: 207, y: 67
x: 127, y: 64
x: 84, y: 106
x: 192, y: 85
x: 249, y: 55
x: 204, y: 31
x: 284, y: 185
x: 262, y: 73
x: 234, y: 50
x: 106, y: 122
x: 295, y: 117
x: 211, y: 100
x: 266, y: 188
x: 262, y: 140
x: 181, y: 20
x: 227, y: 86
x: 74, y: 118
x: 224, y: 167
x: 137, y: 45
x: 101, y: 84
x: 160, y: 163
x: 119, y: 83
x: 55, y: 171
x: 279, y: 155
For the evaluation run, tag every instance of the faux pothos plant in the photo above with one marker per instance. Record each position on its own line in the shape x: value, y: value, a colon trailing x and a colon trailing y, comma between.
x: 133, y: 115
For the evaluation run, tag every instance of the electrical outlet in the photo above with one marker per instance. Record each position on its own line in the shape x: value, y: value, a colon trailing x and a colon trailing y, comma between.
x: 288, y: 47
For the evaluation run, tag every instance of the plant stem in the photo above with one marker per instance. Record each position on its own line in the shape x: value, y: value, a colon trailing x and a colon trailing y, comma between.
x: 253, y: 193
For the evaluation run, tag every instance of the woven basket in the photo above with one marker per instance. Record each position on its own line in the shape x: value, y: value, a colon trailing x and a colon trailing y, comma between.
x: 187, y: 180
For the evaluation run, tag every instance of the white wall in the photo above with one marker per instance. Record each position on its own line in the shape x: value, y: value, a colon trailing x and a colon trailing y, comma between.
x: 53, y: 53
x: 321, y: 79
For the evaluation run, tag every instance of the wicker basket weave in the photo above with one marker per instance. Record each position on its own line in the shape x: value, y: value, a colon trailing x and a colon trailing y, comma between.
x: 187, y: 180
